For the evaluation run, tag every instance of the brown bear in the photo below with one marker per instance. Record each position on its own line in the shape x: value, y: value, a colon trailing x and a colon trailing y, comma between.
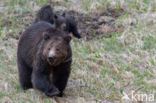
x: 44, y: 58
x: 46, y: 14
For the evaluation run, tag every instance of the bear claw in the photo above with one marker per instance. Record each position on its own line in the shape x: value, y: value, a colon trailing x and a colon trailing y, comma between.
x: 54, y: 92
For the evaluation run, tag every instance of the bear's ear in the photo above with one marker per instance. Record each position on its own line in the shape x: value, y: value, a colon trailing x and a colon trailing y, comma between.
x: 46, y: 36
x: 67, y: 39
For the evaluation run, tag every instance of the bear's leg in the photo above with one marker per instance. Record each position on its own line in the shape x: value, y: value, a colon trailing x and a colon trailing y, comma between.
x: 41, y: 81
x: 75, y: 33
x: 60, y: 79
x: 72, y: 27
x: 24, y: 76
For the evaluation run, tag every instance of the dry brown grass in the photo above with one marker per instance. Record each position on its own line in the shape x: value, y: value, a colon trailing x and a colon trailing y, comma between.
x: 103, y: 67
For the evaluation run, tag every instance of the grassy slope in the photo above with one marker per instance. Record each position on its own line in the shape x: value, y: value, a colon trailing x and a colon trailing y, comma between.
x: 102, y: 68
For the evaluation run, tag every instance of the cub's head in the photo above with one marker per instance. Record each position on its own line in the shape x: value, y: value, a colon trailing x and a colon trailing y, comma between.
x: 56, y: 46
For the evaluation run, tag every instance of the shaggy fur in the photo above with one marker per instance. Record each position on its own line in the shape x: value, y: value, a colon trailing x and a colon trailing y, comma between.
x: 35, y: 71
x: 46, y: 14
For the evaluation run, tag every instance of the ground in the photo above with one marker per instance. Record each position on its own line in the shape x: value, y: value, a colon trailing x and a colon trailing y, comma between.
x: 116, y: 55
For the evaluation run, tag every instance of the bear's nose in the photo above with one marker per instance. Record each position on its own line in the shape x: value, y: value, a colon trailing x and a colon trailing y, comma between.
x: 51, y: 58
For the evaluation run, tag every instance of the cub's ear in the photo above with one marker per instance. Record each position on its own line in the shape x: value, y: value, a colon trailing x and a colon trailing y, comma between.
x: 46, y: 35
x: 67, y: 39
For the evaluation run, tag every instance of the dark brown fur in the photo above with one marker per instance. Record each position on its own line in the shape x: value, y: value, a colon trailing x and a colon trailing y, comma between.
x: 35, y: 71
x: 46, y: 14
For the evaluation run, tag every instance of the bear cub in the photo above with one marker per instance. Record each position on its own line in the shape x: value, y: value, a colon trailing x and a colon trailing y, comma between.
x: 44, y: 58
x: 46, y: 14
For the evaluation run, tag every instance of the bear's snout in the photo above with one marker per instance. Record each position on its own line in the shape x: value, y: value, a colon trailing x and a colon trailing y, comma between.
x: 51, y: 58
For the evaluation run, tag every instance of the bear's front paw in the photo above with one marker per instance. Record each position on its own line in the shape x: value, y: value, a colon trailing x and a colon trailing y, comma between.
x: 52, y: 92
x: 60, y: 94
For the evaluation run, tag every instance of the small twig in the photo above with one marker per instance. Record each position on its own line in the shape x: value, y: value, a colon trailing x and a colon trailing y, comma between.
x: 138, y: 89
x: 126, y: 85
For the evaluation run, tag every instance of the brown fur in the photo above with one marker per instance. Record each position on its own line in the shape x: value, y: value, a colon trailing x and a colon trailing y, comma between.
x: 36, y: 70
x: 64, y: 21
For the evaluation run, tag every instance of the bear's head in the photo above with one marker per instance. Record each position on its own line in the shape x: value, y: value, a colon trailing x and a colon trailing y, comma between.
x: 56, y: 46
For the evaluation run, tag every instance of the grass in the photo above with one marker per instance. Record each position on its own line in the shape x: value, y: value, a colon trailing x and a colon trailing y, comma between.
x: 103, y: 68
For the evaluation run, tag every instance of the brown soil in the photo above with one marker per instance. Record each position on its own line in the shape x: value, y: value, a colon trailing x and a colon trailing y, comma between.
x: 93, y: 25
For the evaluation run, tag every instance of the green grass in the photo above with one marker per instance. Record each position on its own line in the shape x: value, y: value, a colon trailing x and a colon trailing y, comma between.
x: 103, y: 68
x: 149, y: 43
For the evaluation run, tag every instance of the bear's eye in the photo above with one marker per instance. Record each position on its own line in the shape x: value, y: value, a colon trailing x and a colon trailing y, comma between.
x: 57, y: 49
x: 48, y: 48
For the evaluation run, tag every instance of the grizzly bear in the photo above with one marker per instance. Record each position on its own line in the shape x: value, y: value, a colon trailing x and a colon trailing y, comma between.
x: 44, y: 58
x: 46, y: 14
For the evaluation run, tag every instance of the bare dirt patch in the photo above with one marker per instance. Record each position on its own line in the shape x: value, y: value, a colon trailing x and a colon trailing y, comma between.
x: 93, y: 25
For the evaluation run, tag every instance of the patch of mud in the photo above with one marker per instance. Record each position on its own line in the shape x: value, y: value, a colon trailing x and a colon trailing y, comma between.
x: 93, y: 25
